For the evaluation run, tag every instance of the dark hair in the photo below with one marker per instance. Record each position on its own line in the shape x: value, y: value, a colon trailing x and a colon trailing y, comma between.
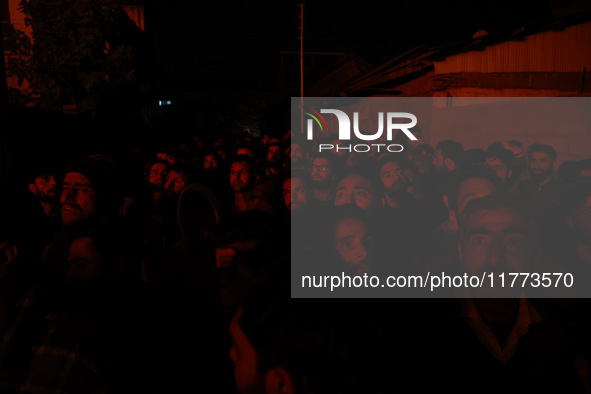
x: 542, y: 148
x: 40, y: 169
x: 515, y: 143
x: 499, y: 152
x: 452, y: 150
x: 475, y: 157
x: 151, y: 163
x: 368, y: 173
x: 246, y: 159
x: 453, y: 188
x: 401, y: 160
x: 499, y: 201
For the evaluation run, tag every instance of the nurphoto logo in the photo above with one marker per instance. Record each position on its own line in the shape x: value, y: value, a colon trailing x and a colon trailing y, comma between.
x: 344, y: 123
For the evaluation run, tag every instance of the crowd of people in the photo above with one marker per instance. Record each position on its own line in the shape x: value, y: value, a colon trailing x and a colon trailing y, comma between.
x: 169, y: 269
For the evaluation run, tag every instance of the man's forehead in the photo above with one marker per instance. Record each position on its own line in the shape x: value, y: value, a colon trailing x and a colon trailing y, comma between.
x: 355, y: 181
x: 240, y: 164
x: 348, y: 227
x: 496, y: 220
x: 77, y: 178
x: 540, y: 155
x: 158, y: 165
x: 44, y: 177
x: 321, y: 161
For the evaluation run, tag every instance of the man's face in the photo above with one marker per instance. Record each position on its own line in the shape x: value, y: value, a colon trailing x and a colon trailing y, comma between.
x: 352, y: 242
x: 473, y: 188
x: 321, y: 171
x: 78, y: 199
x: 423, y: 163
x: 355, y: 189
x: 392, y: 177
x: 274, y: 156
x: 175, y: 183
x: 157, y: 175
x: 295, y: 195
x: 499, y: 168
x: 296, y: 153
x: 582, y: 222
x: 540, y: 166
x: 497, y: 241
x: 438, y: 161
x: 45, y: 188
x: 244, y: 358
x: 241, y: 176
x: 210, y: 163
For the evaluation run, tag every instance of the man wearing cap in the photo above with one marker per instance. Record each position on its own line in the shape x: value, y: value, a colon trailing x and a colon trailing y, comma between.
x: 91, y: 194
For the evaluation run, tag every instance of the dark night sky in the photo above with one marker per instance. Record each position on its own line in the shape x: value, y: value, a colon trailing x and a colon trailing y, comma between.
x: 238, y: 41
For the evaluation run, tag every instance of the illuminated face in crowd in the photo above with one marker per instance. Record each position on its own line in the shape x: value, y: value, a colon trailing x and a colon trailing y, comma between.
x: 353, y: 244
x: 45, y: 188
x: 540, y: 166
x: 392, y: 176
x: 499, y: 168
x: 274, y: 156
x: 175, y: 183
x: 355, y: 189
x: 241, y: 176
x: 321, y: 171
x: 497, y: 241
x: 210, y: 163
x: 296, y: 153
x: 157, y: 175
x: 78, y: 199
x: 295, y: 195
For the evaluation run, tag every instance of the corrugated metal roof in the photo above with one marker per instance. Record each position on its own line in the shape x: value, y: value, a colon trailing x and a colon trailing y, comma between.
x: 520, y: 50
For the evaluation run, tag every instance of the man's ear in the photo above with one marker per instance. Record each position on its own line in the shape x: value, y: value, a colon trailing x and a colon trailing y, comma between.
x: 279, y: 381
x: 32, y: 188
x: 8, y: 254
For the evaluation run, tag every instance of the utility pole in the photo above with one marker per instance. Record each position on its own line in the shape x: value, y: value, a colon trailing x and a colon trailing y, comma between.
x: 301, y: 67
